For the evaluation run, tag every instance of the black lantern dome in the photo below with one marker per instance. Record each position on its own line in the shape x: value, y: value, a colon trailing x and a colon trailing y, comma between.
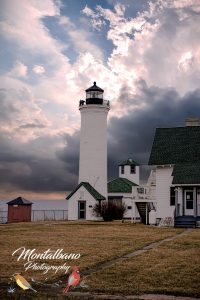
x: 94, y: 95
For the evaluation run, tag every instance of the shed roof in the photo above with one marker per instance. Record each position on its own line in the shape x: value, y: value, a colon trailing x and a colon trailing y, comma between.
x: 186, y: 174
x: 120, y: 185
x: 179, y: 145
x: 19, y: 201
x: 129, y: 162
x: 96, y: 195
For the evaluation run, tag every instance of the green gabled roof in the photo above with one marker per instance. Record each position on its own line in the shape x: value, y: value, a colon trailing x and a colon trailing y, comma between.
x: 186, y: 174
x: 180, y: 145
x: 90, y: 189
x: 120, y: 185
x: 129, y: 162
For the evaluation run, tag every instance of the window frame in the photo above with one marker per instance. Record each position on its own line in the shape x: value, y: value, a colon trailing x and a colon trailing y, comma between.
x: 132, y: 169
x: 172, y: 195
x: 122, y: 169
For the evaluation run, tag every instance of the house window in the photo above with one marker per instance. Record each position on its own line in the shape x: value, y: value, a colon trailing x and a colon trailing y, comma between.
x: 172, y: 196
x: 132, y: 169
x: 122, y: 169
x: 140, y: 190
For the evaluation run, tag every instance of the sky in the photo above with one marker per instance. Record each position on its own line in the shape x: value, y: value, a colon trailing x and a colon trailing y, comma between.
x: 144, y: 54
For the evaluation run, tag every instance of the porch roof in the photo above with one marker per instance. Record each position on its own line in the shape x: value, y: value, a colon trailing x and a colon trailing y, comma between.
x: 179, y: 145
x: 186, y: 174
x: 120, y: 185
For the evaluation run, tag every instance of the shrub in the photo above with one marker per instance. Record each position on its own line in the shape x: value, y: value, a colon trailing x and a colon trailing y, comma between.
x: 109, y: 211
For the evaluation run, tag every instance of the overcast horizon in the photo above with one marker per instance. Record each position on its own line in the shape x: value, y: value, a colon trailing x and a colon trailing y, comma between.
x: 145, y: 55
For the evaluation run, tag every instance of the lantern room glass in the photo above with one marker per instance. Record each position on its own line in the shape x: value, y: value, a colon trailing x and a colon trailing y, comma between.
x: 94, y: 94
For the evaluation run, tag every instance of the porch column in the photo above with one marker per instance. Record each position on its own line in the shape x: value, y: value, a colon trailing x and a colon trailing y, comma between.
x: 195, y: 201
x: 176, y: 202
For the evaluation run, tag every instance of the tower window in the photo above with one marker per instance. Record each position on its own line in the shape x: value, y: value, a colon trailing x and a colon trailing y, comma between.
x: 132, y: 169
x: 122, y: 169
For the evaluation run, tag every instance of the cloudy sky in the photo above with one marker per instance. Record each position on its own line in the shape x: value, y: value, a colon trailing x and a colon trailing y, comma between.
x: 145, y: 55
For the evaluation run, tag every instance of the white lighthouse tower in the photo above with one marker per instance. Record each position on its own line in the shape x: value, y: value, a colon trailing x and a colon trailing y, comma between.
x: 92, y: 187
x: 93, y: 139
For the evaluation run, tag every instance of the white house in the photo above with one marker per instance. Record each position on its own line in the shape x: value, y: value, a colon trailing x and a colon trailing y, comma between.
x: 92, y: 185
x: 176, y: 154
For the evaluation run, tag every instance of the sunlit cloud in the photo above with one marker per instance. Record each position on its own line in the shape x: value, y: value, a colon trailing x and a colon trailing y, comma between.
x: 19, y: 70
x: 38, y: 69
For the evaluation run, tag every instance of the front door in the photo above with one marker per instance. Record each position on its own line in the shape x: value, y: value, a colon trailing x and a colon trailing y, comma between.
x: 198, y: 202
x: 82, y: 209
x: 189, y: 202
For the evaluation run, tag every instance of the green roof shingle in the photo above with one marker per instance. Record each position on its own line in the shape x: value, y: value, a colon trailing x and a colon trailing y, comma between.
x: 129, y: 162
x: 180, y: 145
x: 120, y: 185
x: 186, y: 174
x: 90, y: 189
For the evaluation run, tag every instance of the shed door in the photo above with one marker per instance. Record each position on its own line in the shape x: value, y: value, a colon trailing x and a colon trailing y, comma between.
x: 16, y: 213
x: 189, y: 202
x: 82, y: 209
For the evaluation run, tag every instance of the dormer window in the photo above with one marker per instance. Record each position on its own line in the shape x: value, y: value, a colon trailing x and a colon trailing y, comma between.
x: 132, y: 167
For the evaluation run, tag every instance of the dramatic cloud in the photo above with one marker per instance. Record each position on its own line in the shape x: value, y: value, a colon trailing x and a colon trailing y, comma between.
x: 33, y: 166
x: 160, y: 44
x: 145, y: 55
x: 19, y: 110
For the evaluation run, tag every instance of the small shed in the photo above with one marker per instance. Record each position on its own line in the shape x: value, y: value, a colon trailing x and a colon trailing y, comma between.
x: 19, y: 210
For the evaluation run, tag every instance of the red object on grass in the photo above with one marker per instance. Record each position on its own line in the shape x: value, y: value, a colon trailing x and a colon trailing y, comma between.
x: 73, y: 279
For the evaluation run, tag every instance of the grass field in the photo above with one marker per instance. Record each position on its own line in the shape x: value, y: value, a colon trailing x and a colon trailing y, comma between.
x: 161, y: 270
x: 172, y: 268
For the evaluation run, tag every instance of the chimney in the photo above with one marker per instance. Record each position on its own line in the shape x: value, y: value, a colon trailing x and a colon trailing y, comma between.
x: 192, y: 122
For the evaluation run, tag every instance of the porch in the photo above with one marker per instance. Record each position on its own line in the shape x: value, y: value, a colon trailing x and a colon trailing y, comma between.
x: 187, y: 206
x: 139, y: 203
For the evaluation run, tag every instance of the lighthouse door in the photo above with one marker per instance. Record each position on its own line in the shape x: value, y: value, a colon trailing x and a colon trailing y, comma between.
x: 81, y: 209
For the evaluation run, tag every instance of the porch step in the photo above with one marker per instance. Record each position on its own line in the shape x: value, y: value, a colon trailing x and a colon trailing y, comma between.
x: 185, y: 222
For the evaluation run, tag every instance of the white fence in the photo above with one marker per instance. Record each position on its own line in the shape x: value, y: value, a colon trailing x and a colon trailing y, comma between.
x: 3, y: 216
x: 49, y: 215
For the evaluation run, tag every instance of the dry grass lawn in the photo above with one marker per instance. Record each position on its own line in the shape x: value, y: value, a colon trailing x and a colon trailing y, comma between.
x: 172, y: 268
x: 95, y: 241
